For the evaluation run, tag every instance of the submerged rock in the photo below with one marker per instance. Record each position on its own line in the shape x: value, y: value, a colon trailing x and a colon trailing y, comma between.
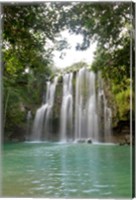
x: 84, y: 140
x: 89, y: 140
x: 81, y: 140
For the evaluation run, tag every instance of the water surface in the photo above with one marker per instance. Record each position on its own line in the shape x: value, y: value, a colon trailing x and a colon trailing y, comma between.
x: 56, y: 170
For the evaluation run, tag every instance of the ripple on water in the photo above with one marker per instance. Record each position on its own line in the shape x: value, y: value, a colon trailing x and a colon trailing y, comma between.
x: 73, y: 190
x: 36, y: 181
x: 49, y: 192
x: 39, y: 188
x: 91, y: 190
x: 45, y: 172
x: 103, y: 186
x: 107, y: 193
x: 50, y: 187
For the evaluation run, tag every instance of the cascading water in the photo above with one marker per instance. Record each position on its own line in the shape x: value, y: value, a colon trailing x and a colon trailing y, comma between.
x: 105, y: 113
x: 66, y: 108
x: 86, y: 119
x: 92, y: 114
x: 84, y: 111
x: 43, y: 116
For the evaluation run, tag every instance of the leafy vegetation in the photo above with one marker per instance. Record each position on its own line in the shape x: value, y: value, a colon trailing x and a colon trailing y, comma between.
x: 27, y: 54
x: 27, y: 59
x: 111, y: 25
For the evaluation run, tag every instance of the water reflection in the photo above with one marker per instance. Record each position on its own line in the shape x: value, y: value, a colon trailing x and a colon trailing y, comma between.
x: 66, y: 171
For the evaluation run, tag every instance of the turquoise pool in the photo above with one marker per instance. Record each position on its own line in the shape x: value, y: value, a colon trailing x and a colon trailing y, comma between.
x: 55, y: 170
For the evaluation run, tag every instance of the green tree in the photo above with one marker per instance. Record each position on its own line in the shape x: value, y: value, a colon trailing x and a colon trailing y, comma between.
x: 111, y: 25
x: 27, y: 58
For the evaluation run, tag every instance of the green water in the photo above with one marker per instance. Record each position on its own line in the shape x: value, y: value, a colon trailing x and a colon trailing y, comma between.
x: 56, y: 170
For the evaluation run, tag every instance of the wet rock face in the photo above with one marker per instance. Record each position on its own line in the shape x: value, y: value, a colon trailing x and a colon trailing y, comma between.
x: 89, y: 141
x: 122, y: 135
x: 18, y: 135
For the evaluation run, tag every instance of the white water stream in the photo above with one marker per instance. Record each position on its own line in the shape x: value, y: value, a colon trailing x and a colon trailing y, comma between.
x: 42, y: 121
x: 84, y: 111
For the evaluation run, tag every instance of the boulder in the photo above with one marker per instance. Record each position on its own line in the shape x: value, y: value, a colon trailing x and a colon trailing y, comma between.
x: 89, y: 140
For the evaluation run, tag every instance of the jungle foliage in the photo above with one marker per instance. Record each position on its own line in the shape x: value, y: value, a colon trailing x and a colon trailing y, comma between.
x: 27, y: 58
x: 27, y: 54
x: 112, y: 26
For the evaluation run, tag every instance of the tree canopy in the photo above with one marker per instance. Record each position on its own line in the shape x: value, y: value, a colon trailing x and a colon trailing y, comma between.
x: 27, y: 56
x: 28, y: 30
x: 111, y: 24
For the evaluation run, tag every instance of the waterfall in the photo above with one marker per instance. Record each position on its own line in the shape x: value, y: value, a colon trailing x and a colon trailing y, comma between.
x: 92, y: 115
x: 86, y: 119
x: 42, y: 122
x: 83, y: 113
x: 105, y: 113
x: 66, y: 108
